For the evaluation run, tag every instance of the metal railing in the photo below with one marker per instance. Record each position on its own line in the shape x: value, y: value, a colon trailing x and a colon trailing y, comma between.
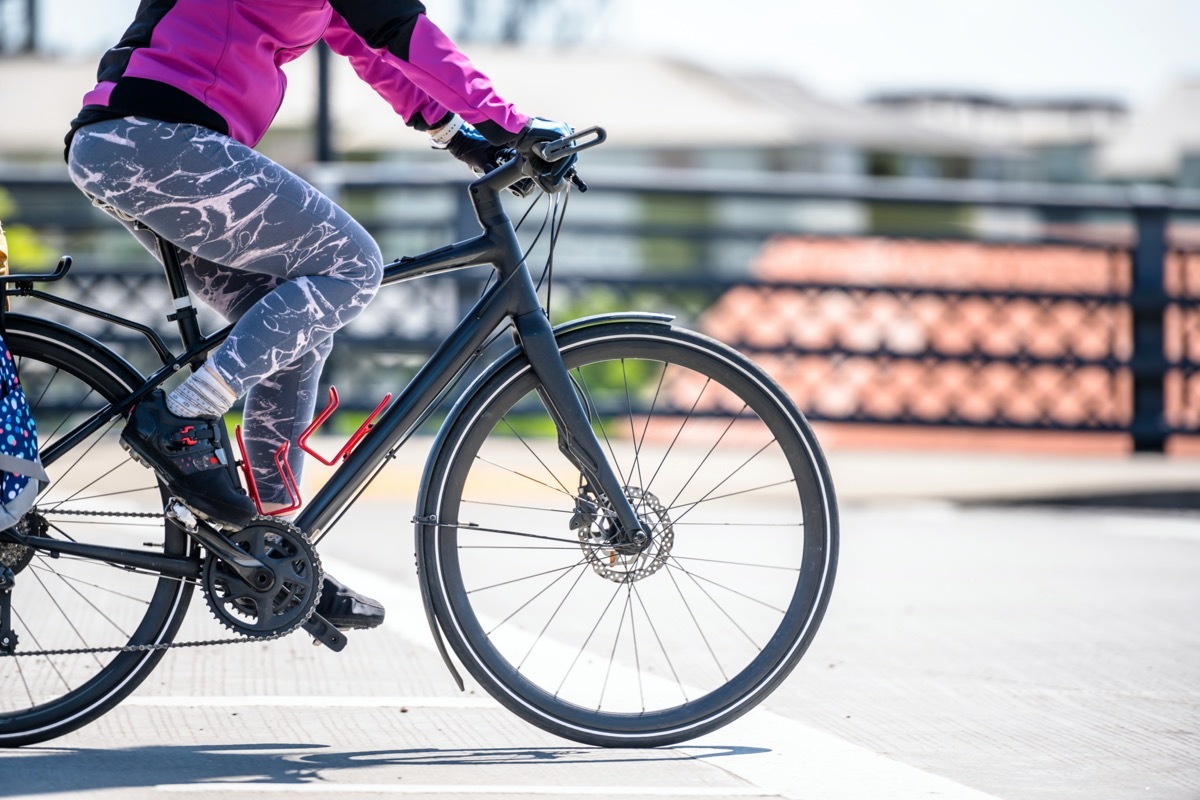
x: 1124, y: 353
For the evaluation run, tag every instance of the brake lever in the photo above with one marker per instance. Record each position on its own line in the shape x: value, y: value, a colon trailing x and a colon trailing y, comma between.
x: 577, y: 142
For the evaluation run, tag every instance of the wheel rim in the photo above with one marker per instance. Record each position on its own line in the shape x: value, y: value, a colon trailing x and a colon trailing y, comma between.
x: 715, y: 609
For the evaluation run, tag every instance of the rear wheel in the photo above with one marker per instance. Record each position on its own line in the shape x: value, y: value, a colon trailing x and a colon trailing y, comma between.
x: 632, y: 645
x: 100, y: 496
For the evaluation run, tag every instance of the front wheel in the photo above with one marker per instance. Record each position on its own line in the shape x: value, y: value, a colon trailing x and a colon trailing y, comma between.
x: 620, y: 645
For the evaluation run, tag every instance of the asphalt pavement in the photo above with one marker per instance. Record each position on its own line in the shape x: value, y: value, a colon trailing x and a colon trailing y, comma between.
x: 1002, y: 626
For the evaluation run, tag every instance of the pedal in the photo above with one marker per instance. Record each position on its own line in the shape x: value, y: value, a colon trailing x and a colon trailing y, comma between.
x: 323, y: 632
x: 181, y: 514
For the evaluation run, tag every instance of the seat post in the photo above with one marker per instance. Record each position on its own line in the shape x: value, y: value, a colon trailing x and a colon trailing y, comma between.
x: 184, y: 314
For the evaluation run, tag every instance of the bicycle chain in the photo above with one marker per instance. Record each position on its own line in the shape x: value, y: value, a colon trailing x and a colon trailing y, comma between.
x: 144, y: 648
x: 137, y: 648
x: 67, y: 512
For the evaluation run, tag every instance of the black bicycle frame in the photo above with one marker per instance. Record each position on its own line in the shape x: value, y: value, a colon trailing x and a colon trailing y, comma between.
x: 513, y: 297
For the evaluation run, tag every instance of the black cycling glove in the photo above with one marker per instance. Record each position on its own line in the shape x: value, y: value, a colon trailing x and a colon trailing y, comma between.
x: 468, y: 146
x: 551, y: 176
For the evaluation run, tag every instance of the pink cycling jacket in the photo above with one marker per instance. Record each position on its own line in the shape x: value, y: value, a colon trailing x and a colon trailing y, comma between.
x: 218, y: 63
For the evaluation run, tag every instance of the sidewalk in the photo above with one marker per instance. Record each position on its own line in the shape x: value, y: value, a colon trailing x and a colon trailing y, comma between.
x: 884, y: 476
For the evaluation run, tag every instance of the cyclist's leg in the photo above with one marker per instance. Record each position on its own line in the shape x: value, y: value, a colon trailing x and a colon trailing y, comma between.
x: 293, y: 265
x: 229, y: 205
x: 267, y: 250
x: 279, y: 407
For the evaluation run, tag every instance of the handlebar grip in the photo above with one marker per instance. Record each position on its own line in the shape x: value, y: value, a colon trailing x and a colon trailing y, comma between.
x: 569, y: 145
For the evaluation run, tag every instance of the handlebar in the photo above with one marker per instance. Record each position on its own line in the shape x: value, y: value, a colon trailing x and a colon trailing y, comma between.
x: 509, y: 174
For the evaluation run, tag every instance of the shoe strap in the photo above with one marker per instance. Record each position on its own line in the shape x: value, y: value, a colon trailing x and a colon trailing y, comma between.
x: 193, y: 435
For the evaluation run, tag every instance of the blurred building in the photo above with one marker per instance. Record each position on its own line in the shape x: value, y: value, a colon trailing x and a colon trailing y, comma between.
x: 1071, y: 139
x: 658, y: 111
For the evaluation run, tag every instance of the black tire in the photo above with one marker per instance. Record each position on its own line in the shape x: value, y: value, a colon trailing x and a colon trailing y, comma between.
x: 711, y: 617
x: 66, y: 603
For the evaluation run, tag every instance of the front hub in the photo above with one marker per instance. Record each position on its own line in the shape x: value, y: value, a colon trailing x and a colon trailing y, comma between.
x: 624, y: 559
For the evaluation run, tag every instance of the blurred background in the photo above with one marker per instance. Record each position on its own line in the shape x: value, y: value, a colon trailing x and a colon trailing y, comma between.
x: 938, y: 224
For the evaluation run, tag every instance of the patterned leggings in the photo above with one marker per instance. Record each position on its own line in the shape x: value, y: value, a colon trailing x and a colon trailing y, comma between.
x: 259, y: 245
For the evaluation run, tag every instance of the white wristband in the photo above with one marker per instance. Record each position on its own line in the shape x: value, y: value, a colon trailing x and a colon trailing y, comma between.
x: 442, y: 136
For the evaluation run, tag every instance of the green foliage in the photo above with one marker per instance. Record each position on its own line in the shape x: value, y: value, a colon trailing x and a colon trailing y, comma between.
x: 26, y: 251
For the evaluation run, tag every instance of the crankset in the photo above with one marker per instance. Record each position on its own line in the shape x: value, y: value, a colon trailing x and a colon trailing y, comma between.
x: 271, y: 601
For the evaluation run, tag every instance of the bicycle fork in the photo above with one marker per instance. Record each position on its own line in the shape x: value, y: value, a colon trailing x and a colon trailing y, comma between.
x: 576, y: 439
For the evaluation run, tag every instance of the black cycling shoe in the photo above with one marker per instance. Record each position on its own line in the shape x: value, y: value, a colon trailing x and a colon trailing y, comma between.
x: 192, y: 456
x: 346, y: 609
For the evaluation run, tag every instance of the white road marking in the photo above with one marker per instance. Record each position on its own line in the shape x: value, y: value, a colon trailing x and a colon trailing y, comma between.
x: 800, y: 762
x: 312, y: 701
x: 522, y: 790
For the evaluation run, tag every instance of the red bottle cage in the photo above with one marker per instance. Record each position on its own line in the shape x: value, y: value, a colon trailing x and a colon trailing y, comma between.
x: 342, y: 454
x: 285, y: 471
x: 281, y: 463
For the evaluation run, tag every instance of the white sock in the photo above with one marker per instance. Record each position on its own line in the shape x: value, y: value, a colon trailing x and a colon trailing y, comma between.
x: 204, y: 394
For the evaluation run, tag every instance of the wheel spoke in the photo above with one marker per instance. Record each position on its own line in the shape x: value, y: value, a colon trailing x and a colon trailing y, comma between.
x: 678, y: 433
x: 87, y: 600
x: 529, y: 478
x: 583, y: 647
x: 549, y: 471
x: 552, y: 617
x: 697, y: 576
x: 92, y: 585
x: 699, y: 627
x: 29, y: 631
x: 661, y: 647
x: 527, y: 577
x: 82, y: 639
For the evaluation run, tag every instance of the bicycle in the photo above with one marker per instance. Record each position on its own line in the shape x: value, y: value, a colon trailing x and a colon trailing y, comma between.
x: 625, y: 531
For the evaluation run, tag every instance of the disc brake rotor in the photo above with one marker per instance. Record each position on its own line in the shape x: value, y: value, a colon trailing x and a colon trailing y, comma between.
x: 278, y: 608
x: 628, y: 563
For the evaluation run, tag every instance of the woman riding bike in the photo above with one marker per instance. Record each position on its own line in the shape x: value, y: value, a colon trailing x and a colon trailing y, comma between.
x: 164, y: 144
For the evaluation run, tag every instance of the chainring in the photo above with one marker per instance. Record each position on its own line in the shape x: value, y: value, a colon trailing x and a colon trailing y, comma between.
x: 278, y: 609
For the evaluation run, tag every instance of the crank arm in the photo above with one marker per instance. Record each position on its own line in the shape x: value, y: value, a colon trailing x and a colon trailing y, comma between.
x: 247, y: 567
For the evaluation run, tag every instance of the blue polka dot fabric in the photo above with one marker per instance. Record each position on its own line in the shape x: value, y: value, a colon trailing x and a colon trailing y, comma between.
x: 19, y: 462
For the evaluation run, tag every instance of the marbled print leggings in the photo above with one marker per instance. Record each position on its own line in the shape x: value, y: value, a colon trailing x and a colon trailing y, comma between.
x: 258, y: 244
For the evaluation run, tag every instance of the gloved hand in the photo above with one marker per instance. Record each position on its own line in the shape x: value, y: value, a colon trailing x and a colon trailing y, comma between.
x: 551, y: 176
x: 468, y: 146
